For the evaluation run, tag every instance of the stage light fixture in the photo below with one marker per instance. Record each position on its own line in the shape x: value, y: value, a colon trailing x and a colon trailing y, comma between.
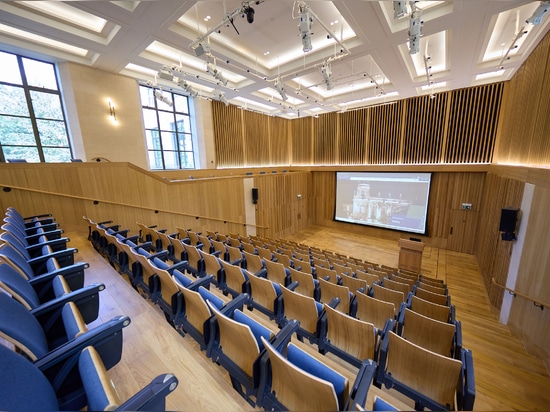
x: 539, y: 13
x: 399, y: 9
x: 249, y: 11
x: 305, y: 27
x: 162, y: 98
x: 219, y: 96
x: 214, y: 72
x: 415, y: 31
x: 280, y: 88
x: 327, y: 75
x: 187, y: 87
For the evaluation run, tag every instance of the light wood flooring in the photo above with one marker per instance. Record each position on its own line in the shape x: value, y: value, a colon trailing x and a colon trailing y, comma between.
x: 507, y: 377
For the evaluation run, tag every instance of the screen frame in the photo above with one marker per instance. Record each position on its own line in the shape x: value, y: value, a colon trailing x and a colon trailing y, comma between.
x: 370, y: 225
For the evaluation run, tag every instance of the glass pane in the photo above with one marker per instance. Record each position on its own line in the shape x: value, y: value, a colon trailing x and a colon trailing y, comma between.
x: 184, y: 124
x: 167, y: 121
x: 169, y: 141
x: 147, y: 96
x: 16, y: 131
x: 40, y: 74
x: 150, y: 119
x: 30, y: 154
x: 52, y: 155
x: 155, y: 159
x: 10, y: 69
x: 52, y: 133
x: 46, y: 105
x: 187, y: 161
x: 171, y: 160
x: 13, y: 100
x: 153, y: 139
x: 180, y: 103
x: 185, y: 142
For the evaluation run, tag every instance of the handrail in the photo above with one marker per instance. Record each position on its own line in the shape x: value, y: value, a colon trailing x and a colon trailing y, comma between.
x: 8, y: 188
x: 515, y: 293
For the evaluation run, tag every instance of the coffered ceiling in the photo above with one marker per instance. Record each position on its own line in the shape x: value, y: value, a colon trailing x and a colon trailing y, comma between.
x: 361, y: 47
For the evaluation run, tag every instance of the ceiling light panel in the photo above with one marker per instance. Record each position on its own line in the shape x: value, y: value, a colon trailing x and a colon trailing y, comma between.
x: 44, y: 41
x: 69, y: 14
x: 433, y: 46
x: 490, y: 75
x: 506, y: 28
x: 272, y: 23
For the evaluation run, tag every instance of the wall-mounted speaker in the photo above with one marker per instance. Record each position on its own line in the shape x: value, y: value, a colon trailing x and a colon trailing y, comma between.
x: 254, y: 195
x: 508, y: 219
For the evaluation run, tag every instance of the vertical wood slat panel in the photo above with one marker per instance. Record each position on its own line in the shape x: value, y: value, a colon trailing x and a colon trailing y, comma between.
x: 352, y: 138
x: 279, y: 141
x: 228, y: 139
x: 385, y: 128
x: 256, y: 138
x: 302, y: 141
x: 325, y: 142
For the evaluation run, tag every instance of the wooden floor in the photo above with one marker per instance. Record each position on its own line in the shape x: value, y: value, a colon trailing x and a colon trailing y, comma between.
x: 507, y: 378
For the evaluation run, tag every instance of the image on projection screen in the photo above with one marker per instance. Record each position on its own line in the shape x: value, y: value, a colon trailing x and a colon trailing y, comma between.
x: 396, y: 201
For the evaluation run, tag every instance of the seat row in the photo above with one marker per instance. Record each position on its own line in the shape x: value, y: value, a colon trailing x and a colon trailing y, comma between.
x: 50, y: 358
x: 194, y: 309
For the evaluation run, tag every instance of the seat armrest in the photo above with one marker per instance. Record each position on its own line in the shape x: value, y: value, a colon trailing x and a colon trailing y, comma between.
x: 153, y: 396
x: 51, y: 235
x: 55, y: 244
x: 292, y: 286
x: 80, y: 297
x: 360, y: 388
x: 147, y: 246
x: 38, y: 216
x: 458, y: 340
x: 467, y: 393
x: 161, y: 254
x: 205, y: 282
x: 64, y: 257
x: 182, y: 264
x: 334, y: 302
x: 74, y: 275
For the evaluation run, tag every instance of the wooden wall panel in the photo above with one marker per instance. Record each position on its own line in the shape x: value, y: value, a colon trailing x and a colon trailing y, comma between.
x: 325, y: 141
x: 473, y: 122
x: 256, y: 138
x: 492, y: 252
x: 352, y: 141
x: 424, y: 129
x: 524, y: 130
x: 384, y: 132
x: 279, y: 141
x: 302, y: 141
x: 228, y: 135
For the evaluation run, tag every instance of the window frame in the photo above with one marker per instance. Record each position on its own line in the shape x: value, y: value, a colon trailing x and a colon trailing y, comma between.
x: 177, y: 149
x: 27, y: 89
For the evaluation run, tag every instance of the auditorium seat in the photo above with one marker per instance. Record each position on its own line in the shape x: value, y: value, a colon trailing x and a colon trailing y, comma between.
x: 330, y: 291
x: 370, y: 278
x: 433, y: 381
x: 439, y: 289
x: 387, y: 295
x: 350, y: 339
x: 265, y: 254
x: 397, y: 286
x: 437, y: 298
x: 235, y: 344
x: 38, y: 264
x: 212, y: 266
x: 432, y: 310
x: 25, y: 387
x: 264, y: 296
x: 253, y: 264
x: 277, y: 273
x: 194, y: 261
x: 307, y: 285
x: 354, y: 284
x: 235, y: 280
x: 326, y: 274
x: 149, y: 234
x: 373, y: 310
x: 234, y: 255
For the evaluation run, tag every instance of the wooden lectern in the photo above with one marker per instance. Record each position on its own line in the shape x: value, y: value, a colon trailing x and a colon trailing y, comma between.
x: 410, y: 255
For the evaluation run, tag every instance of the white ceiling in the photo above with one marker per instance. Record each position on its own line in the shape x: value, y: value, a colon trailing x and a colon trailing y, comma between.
x: 463, y: 44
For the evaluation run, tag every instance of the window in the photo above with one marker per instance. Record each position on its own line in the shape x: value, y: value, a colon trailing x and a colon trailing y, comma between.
x: 167, y: 129
x: 32, y: 121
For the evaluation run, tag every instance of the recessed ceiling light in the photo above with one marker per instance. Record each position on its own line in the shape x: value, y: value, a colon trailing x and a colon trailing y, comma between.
x: 332, y: 23
x: 266, y: 53
x: 207, y: 18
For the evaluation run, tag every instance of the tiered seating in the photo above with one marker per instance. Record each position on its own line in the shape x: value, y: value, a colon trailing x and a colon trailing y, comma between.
x: 339, y: 304
x: 47, y: 345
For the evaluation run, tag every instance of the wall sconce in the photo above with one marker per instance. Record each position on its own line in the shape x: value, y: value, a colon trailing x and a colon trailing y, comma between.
x: 112, y: 111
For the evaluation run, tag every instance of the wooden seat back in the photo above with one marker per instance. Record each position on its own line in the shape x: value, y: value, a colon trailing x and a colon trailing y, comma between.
x: 288, y: 383
x: 301, y: 308
x: 431, y: 297
x: 306, y: 285
x: 435, y: 376
x: 367, y: 277
x: 388, y: 295
x: 400, y: 287
x: 354, y: 284
x: 351, y: 335
x: 211, y: 264
x: 262, y: 292
x: 430, y: 309
x: 431, y: 288
x: 196, y: 310
x: 253, y: 262
x: 373, y: 310
x: 428, y: 333
x: 234, y: 277
x: 265, y: 254
x: 276, y: 272
x: 177, y: 244
x: 165, y: 240
x: 330, y: 290
x: 234, y: 253
x: 323, y: 273
x: 282, y: 258
x: 249, y: 248
x: 342, y: 270
x: 193, y: 255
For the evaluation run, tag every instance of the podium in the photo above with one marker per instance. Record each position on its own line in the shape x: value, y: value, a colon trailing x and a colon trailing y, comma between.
x: 410, y: 255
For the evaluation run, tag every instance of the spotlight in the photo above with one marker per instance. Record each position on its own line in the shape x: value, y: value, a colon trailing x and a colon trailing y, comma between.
x: 399, y: 9
x: 539, y: 13
x: 280, y: 88
x: 327, y: 75
x: 249, y: 11
x: 415, y: 31
x: 187, y: 87
x: 201, y: 49
x: 162, y: 98
x: 305, y: 27
x: 214, y: 72
x: 218, y: 95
